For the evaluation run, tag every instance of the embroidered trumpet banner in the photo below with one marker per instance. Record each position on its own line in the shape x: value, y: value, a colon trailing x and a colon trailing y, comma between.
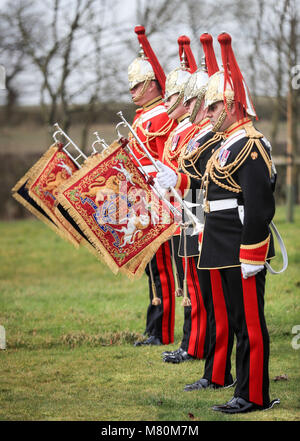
x: 44, y: 178
x: 117, y: 210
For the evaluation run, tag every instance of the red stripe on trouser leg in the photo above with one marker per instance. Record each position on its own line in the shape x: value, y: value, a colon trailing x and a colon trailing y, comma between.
x: 198, y: 313
x: 222, y: 328
x: 164, y: 265
x: 255, y: 341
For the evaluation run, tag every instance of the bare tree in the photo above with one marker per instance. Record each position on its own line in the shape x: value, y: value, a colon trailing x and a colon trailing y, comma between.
x: 63, y: 42
x: 12, y: 56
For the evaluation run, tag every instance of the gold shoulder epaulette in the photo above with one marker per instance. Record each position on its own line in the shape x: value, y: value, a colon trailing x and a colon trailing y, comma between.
x: 251, y: 131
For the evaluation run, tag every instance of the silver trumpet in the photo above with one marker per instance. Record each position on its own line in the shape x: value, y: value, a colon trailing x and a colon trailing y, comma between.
x: 72, y: 150
x: 99, y: 141
x: 194, y: 222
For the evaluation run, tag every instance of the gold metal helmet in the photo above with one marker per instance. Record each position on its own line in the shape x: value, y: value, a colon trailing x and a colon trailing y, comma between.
x: 175, y: 84
x: 146, y: 66
x: 176, y: 81
x: 228, y: 85
x: 197, y: 84
x: 196, y: 88
x: 140, y: 70
x: 216, y: 92
x: 178, y: 77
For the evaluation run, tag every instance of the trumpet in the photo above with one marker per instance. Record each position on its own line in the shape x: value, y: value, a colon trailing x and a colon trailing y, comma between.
x: 193, y: 221
x: 149, y: 179
x: 73, y: 151
x: 74, y: 155
x: 100, y: 141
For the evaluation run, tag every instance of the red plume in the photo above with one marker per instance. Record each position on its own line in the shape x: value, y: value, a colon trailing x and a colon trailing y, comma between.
x: 158, y: 70
x: 185, y: 48
x: 210, y: 58
x: 232, y: 73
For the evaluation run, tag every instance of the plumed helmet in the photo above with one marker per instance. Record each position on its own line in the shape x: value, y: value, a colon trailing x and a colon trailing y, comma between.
x: 228, y: 84
x: 178, y: 77
x: 140, y: 70
x: 196, y: 86
x: 146, y: 66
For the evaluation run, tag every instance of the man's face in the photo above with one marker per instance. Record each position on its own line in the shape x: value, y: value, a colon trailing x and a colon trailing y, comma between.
x: 136, y: 92
x: 190, y: 104
x: 213, y: 113
x: 201, y: 114
x: 178, y: 111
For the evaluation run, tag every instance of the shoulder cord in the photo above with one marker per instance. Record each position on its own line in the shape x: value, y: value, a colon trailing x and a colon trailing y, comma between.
x: 189, y: 160
x: 216, y: 172
x: 148, y: 135
x: 170, y: 156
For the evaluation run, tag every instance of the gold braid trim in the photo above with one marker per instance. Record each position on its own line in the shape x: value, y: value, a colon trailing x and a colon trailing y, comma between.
x: 149, y: 136
x: 176, y: 104
x: 190, y: 159
x: 226, y: 172
x: 198, y: 103
x: 170, y: 155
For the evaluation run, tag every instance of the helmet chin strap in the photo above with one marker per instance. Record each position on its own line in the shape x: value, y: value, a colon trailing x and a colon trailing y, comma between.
x: 197, y: 106
x: 143, y: 91
x: 177, y: 102
x: 222, y: 116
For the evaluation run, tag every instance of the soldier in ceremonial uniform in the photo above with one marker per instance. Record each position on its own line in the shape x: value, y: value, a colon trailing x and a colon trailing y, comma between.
x: 194, y: 330
x: 239, y: 203
x: 153, y: 126
x: 192, y: 162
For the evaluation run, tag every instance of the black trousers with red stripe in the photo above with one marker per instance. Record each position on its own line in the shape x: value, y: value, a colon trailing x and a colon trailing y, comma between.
x: 238, y: 308
x: 195, y: 337
x: 218, y: 360
x: 161, y: 318
x: 245, y: 304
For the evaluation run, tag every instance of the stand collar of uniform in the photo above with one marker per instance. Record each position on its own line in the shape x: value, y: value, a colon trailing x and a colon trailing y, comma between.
x: 238, y: 125
x: 203, y: 123
x: 152, y: 103
x: 183, y: 117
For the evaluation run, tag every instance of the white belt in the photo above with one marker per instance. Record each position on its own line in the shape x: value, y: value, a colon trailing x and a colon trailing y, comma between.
x: 221, y: 204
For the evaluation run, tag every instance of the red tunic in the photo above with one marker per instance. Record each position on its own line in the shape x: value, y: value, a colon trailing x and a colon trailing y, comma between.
x: 153, y: 126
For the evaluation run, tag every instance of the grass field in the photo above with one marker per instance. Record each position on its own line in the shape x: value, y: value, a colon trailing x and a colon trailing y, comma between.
x: 70, y: 324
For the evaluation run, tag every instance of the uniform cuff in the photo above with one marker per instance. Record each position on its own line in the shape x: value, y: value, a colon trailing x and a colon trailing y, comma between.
x: 200, y: 237
x: 183, y: 183
x: 256, y: 253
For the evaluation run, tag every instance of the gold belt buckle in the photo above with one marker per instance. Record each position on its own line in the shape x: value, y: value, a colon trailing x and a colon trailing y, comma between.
x: 206, y: 207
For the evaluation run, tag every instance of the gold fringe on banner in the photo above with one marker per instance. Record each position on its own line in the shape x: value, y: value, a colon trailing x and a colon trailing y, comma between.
x: 40, y: 213
x: 67, y: 231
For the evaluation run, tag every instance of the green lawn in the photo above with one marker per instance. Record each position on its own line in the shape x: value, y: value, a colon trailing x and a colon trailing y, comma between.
x: 70, y: 324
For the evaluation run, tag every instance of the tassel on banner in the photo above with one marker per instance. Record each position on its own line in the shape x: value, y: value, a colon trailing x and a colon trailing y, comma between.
x: 178, y: 289
x: 179, y: 292
x: 156, y: 300
x: 185, y: 301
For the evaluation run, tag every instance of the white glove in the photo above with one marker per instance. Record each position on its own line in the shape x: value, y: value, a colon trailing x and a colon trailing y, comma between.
x: 166, y: 177
x: 249, y: 270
